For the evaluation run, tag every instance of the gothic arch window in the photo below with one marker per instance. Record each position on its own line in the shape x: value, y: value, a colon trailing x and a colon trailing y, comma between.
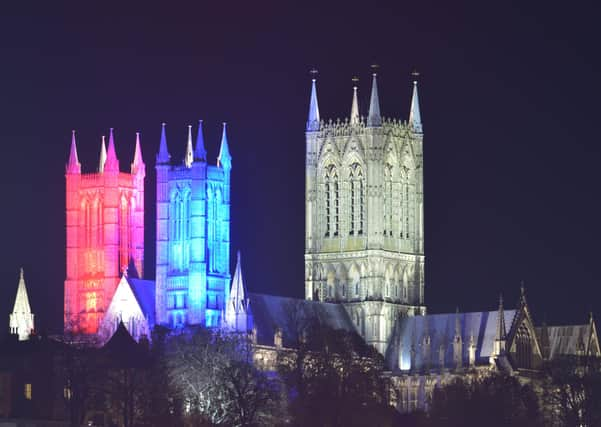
x: 387, y: 191
x: 356, y: 199
x: 332, y: 201
x: 179, y: 230
x: 523, y: 347
x: 405, y: 285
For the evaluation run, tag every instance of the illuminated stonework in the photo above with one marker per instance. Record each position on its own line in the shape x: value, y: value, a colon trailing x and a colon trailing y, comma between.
x: 193, y: 235
x: 364, y: 243
x: 21, y: 319
x: 105, y: 233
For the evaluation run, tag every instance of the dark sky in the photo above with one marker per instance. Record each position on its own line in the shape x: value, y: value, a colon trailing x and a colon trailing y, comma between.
x: 510, y: 104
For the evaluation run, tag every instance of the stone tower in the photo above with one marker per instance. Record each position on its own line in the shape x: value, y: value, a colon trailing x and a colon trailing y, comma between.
x: 105, y: 233
x: 193, y: 234
x: 364, y: 234
x: 21, y: 319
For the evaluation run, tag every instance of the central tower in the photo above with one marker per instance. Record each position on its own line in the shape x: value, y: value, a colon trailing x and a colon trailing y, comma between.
x: 364, y: 233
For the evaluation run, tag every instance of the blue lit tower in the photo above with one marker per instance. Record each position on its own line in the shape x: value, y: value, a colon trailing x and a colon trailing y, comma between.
x: 193, y: 234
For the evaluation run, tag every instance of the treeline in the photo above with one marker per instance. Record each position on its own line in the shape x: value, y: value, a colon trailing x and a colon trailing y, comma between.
x: 206, y: 377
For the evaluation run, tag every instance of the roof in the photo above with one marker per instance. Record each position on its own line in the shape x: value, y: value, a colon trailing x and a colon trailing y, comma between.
x: 566, y: 340
x: 271, y: 312
x: 144, y: 291
x: 409, y: 332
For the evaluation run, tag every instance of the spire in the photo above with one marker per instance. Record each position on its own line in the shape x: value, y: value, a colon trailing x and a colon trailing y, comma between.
x: 163, y: 155
x: 313, y: 119
x: 138, y: 161
x: 374, y: 118
x: 237, y: 309
x: 355, y: 108
x: 522, y: 294
x: 237, y: 293
x: 102, y: 159
x: 112, y: 163
x: 189, y: 156
x: 21, y: 319
x: 415, y: 120
x: 200, y: 153
x: 73, y: 166
x: 224, y: 159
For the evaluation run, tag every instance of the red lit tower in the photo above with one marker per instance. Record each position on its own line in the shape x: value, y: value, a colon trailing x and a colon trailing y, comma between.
x: 105, y: 233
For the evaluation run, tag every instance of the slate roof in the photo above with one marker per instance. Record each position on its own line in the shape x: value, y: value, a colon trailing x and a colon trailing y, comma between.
x: 410, y: 331
x: 566, y: 340
x: 144, y: 291
x: 270, y: 312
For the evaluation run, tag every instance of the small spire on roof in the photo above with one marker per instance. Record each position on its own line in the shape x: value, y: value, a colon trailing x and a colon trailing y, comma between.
x: 224, y: 159
x: 313, y: 118
x: 73, y: 166
x: 415, y: 120
x: 373, y: 118
x: 200, y: 153
x: 138, y: 162
x: 163, y: 156
x: 112, y: 163
x: 355, y: 104
x: 189, y: 156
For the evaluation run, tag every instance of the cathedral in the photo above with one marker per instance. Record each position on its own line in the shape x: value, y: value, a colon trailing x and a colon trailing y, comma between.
x: 364, y: 257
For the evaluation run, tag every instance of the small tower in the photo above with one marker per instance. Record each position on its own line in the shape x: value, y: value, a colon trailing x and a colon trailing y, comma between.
x: 237, y: 310
x: 21, y: 319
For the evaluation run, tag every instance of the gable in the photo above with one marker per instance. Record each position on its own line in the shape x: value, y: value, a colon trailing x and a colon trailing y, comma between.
x: 124, y: 307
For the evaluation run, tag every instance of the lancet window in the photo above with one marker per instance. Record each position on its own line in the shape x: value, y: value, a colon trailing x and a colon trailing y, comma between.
x: 523, y: 348
x: 356, y: 200
x: 332, y: 202
x: 216, y: 254
x: 179, y: 230
x: 388, y: 200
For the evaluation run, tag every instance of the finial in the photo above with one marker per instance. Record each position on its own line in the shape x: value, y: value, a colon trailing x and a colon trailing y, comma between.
x: 415, y: 75
x: 21, y: 277
x: 374, y: 69
x: 314, y: 72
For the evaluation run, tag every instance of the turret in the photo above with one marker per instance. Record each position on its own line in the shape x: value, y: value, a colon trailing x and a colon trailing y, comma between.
x: 102, y: 159
x: 313, y: 118
x: 163, y: 156
x: 373, y: 118
x: 224, y: 159
x: 200, y: 153
x: 112, y: 163
x: 21, y: 319
x: 189, y: 156
x: 355, y: 108
x: 415, y: 120
x: 73, y: 166
x: 137, y: 165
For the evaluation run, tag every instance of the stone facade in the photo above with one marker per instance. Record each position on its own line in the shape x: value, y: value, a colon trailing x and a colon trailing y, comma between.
x: 193, y: 235
x: 364, y: 242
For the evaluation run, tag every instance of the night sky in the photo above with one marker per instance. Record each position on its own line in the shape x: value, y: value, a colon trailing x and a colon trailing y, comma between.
x: 509, y: 99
